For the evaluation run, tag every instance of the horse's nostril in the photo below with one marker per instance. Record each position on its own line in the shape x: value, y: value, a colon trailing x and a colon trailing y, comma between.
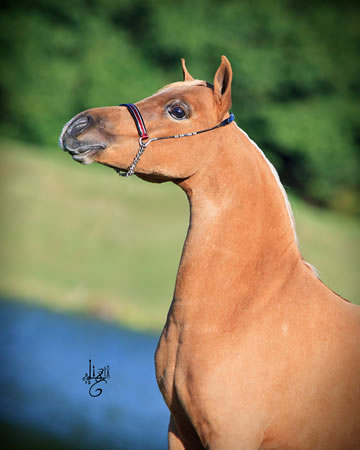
x: 80, y: 125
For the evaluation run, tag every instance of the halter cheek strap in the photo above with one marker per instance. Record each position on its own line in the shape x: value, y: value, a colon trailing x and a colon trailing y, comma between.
x: 139, y: 121
x: 140, y: 125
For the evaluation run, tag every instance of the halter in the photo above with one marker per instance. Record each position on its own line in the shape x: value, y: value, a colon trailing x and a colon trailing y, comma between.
x: 140, y: 125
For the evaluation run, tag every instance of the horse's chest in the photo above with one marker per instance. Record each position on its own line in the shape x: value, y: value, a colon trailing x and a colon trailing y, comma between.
x: 179, y: 363
x: 165, y: 363
x: 173, y: 362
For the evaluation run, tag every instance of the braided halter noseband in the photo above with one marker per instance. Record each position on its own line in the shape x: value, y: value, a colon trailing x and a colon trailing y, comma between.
x: 140, y: 125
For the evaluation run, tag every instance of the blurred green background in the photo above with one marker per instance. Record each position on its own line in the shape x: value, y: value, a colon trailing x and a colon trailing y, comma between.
x: 79, y: 238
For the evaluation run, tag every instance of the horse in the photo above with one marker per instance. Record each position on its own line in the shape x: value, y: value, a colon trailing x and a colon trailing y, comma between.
x: 256, y: 352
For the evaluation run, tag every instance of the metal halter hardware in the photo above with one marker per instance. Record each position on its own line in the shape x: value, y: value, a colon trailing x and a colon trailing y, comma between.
x: 140, y: 125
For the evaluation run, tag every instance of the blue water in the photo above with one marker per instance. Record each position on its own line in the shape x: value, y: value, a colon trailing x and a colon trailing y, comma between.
x: 44, y: 356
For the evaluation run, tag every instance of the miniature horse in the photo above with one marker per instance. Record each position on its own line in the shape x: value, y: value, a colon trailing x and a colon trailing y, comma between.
x: 256, y: 351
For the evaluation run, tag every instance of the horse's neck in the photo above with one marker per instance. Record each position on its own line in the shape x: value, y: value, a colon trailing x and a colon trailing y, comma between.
x: 241, y: 241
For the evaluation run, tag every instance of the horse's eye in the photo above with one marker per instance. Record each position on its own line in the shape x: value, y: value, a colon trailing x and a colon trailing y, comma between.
x: 177, y: 112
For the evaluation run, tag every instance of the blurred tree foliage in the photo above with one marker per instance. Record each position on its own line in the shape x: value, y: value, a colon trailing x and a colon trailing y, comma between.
x: 296, y: 86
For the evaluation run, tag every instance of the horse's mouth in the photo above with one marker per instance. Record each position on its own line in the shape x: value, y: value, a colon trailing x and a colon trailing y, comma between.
x: 86, y: 153
x: 82, y: 152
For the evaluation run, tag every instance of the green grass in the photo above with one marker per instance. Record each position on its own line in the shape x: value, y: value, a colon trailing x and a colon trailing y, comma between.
x: 82, y: 239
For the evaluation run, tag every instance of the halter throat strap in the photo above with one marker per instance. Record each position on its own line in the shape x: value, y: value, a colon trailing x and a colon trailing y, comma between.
x: 141, y: 127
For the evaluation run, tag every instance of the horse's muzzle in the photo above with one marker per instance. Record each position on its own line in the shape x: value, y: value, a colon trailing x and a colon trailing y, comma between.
x: 80, y: 150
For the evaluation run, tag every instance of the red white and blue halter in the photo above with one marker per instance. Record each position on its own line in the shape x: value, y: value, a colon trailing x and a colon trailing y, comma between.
x: 143, y: 135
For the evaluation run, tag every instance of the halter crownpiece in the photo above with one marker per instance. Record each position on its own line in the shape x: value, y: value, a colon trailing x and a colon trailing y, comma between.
x: 140, y: 125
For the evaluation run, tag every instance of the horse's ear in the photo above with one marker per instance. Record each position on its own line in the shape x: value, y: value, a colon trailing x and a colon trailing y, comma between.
x: 222, y: 86
x: 187, y: 76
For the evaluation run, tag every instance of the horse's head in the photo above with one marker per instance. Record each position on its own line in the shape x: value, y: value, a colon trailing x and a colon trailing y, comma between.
x: 110, y: 136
